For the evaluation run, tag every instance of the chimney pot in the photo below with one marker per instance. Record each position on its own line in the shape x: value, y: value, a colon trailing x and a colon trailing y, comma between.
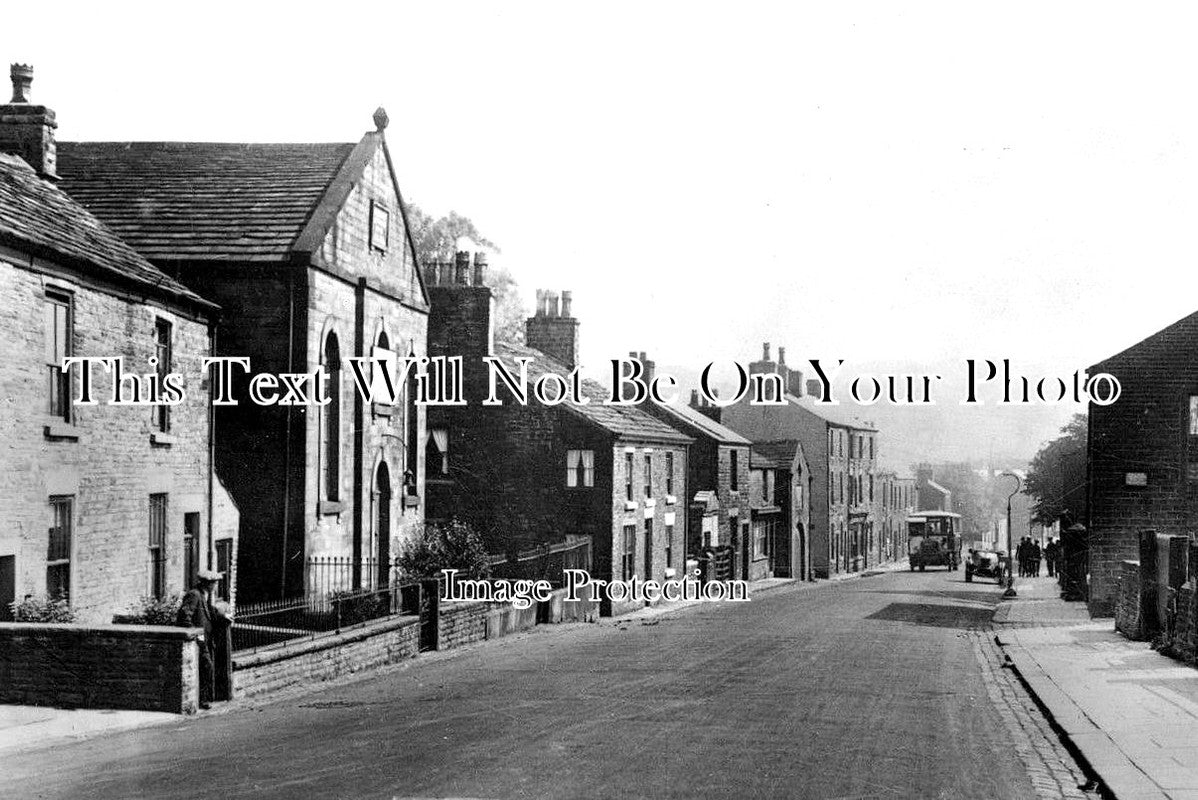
x: 694, y: 398
x: 28, y: 131
x: 480, y: 269
x: 553, y: 309
x: 461, y: 268
x: 22, y: 82
x: 765, y: 351
x: 567, y: 303
x: 781, y: 355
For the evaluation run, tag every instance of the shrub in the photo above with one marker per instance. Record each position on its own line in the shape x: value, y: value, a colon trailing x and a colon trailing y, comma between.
x: 152, y: 611
x: 43, y: 609
x: 453, y: 545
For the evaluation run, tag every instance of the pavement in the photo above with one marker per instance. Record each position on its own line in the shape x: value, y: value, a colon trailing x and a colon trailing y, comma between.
x: 1129, y: 713
x: 26, y: 726
x: 874, y: 688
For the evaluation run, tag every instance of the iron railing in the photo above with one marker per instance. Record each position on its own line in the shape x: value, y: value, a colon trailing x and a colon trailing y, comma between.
x: 340, y: 592
x: 546, y: 561
x: 330, y: 602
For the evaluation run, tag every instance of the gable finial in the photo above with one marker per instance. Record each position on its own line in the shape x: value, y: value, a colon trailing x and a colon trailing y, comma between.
x: 380, y: 119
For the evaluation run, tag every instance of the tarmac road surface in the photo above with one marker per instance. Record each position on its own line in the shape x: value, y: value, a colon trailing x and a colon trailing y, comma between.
x: 867, y: 688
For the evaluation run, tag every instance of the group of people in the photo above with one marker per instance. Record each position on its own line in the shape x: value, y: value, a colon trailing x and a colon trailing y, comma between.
x: 1030, y: 554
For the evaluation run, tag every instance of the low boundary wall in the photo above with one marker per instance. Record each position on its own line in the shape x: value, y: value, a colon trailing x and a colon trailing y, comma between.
x: 139, y: 667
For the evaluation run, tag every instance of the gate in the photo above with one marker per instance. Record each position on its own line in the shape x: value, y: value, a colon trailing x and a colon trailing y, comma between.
x: 430, y: 602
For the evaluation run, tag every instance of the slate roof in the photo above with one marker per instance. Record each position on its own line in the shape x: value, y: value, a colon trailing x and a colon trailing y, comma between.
x: 706, y: 424
x: 937, y: 488
x: 773, y: 454
x: 837, y: 415
x: 627, y: 422
x: 199, y: 200
x: 39, y: 216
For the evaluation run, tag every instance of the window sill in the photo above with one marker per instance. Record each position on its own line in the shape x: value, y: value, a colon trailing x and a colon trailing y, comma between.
x: 671, y: 500
x: 630, y: 505
x: 650, y: 502
x: 160, y: 439
x: 382, y: 409
x: 327, y: 508
x: 411, y: 501
x: 61, y: 430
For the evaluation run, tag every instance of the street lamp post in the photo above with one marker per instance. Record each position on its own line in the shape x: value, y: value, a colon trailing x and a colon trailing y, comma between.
x: 1010, y: 592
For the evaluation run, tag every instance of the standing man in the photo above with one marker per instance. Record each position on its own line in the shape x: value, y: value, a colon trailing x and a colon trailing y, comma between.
x: 1051, y: 550
x: 197, y: 611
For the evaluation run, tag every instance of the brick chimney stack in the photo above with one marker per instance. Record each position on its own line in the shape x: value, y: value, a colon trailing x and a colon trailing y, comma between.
x: 461, y: 319
x: 553, y: 329
x: 765, y: 365
x: 648, y: 368
x: 27, y: 130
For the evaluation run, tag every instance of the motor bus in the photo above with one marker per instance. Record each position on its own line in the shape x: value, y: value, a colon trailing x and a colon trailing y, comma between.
x: 933, y: 540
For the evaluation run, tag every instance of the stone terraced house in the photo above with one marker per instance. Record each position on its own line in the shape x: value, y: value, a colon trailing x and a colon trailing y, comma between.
x: 104, y: 504
x: 841, y: 452
x: 530, y: 474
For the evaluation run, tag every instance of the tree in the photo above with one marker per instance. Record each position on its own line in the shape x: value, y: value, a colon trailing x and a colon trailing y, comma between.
x: 453, y: 545
x: 973, y: 497
x: 438, y: 240
x: 1056, y: 478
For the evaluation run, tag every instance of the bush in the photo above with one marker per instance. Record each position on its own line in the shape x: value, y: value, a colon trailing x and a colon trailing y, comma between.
x: 454, y: 545
x: 152, y: 611
x: 43, y: 609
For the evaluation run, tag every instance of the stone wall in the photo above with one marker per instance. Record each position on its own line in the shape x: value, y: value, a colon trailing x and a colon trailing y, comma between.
x: 1127, y: 606
x: 329, y: 655
x: 461, y: 624
x: 1183, y: 645
x: 139, y: 667
x: 325, y: 656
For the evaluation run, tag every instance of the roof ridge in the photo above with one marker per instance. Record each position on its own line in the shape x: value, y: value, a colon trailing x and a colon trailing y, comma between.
x: 44, y: 218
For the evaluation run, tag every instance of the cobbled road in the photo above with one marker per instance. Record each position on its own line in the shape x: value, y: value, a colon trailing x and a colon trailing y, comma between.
x: 881, y: 687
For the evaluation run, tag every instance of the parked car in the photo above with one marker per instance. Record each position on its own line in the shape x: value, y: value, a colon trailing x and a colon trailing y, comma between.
x: 986, y: 564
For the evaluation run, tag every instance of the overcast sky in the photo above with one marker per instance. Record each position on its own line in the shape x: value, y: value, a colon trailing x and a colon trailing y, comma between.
x: 909, y: 182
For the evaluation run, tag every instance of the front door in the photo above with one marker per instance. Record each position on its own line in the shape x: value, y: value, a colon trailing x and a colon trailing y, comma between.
x: 191, y: 548
x: 648, y: 549
x: 8, y: 586
x: 382, y: 523
x: 745, y: 557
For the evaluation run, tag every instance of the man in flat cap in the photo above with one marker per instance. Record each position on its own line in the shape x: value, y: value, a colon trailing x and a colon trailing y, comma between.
x: 197, y: 611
